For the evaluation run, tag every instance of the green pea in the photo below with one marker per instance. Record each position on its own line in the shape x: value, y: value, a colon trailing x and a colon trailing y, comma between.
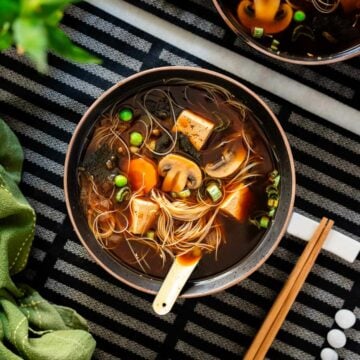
x: 126, y: 114
x: 120, y: 180
x: 136, y: 138
x: 299, y: 16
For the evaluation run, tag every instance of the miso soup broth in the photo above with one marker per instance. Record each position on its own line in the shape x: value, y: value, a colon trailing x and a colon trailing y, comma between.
x: 306, y: 28
x: 178, y: 169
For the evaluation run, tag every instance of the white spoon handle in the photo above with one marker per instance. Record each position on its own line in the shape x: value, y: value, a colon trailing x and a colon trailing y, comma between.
x: 175, y: 280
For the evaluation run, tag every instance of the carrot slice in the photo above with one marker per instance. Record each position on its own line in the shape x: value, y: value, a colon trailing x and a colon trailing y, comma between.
x: 142, y: 175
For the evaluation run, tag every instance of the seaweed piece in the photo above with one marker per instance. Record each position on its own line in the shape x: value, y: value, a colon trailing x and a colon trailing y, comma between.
x: 186, y: 146
x: 96, y: 163
x: 163, y: 143
x: 159, y: 107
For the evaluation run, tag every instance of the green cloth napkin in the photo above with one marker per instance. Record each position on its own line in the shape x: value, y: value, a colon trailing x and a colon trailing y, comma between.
x: 30, y: 327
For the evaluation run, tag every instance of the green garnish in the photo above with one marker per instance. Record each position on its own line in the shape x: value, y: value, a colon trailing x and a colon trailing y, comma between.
x: 264, y: 222
x: 213, y: 190
x: 299, y: 16
x: 120, y: 180
x: 123, y: 194
x: 150, y: 234
x: 136, y: 139
x: 262, y: 219
x: 184, y: 194
x: 271, y: 212
x: 257, y: 32
x: 126, y: 114
x: 273, y: 203
x: 274, y: 45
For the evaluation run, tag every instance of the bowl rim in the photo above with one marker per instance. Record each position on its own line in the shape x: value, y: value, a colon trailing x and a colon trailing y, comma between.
x: 328, y: 59
x: 226, y: 78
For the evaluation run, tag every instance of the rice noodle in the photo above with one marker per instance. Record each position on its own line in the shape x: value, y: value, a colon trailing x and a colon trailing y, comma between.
x: 181, y: 224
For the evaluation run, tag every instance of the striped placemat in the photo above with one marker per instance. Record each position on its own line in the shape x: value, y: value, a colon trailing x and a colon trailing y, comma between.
x: 44, y: 110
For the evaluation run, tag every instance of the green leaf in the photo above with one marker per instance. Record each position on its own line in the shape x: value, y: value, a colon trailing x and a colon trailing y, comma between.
x: 31, y: 37
x: 54, y: 18
x: 43, y: 8
x: 61, y: 44
x: 6, y: 41
x: 9, y: 9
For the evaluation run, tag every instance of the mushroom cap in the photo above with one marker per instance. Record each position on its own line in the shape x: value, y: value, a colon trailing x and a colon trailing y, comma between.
x: 228, y: 164
x: 179, y: 172
x: 265, y: 15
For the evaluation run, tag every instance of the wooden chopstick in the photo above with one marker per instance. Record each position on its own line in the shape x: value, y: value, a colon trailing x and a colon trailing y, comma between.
x: 287, y: 296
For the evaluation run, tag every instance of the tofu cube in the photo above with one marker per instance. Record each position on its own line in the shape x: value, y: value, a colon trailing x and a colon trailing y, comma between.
x: 238, y: 203
x: 144, y: 213
x: 195, y: 127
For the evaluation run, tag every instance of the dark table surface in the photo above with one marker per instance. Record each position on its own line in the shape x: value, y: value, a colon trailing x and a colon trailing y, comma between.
x: 44, y: 110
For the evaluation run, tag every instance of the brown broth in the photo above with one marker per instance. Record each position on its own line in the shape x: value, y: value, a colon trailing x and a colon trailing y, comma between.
x: 318, y: 35
x: 239, y: 238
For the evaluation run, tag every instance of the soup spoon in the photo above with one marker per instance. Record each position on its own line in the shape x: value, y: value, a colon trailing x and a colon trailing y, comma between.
x: 176, y: 278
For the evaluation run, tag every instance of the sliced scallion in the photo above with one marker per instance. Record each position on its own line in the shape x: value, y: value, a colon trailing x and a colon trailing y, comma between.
x: 264, y: 222
x: 150, y: 234
x: 184, y: 194
x: 214, y: 192
x: 123, y: 194
x: 271, y: 212
x: 273, y: 203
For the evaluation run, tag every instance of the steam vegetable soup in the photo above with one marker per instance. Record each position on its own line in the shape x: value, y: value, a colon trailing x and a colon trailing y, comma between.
x: 310, y: 28
x: 179, y: 169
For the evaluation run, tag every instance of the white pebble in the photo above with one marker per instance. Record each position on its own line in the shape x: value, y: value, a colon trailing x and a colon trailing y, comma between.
x: 345, y: 318
x: 328, y: 354
x: 336, y: 338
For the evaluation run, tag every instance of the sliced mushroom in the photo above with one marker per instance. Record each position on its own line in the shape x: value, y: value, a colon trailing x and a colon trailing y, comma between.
x: 270, y: 15
x: 229, y: 162
x: 179, y: 172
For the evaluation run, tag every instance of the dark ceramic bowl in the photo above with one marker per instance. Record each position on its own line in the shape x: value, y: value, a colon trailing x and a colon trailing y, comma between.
x: 273, y: 131
x: 233, y: 23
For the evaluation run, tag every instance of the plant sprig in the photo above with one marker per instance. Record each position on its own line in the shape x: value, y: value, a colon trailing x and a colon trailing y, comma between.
x: 33, y: 26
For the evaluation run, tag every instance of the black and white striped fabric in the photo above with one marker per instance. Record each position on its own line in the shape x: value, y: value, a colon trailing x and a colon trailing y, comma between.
x: 44, y: 110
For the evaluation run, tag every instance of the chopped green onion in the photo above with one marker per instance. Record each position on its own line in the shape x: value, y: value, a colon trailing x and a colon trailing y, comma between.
x: 257, y: 32
x: 274, y: 45
x: 150, y: 234
x: 184, y: 194
x: 271, y: 212
x: 122, y: 194
x: 120, y: 180
x: 214, y: 191
x: 264, y: 222
x: 276, y: 181
x: 273, y: 203
x: 273, y: 175
x: 136, y: 138
x: 126, y: 114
